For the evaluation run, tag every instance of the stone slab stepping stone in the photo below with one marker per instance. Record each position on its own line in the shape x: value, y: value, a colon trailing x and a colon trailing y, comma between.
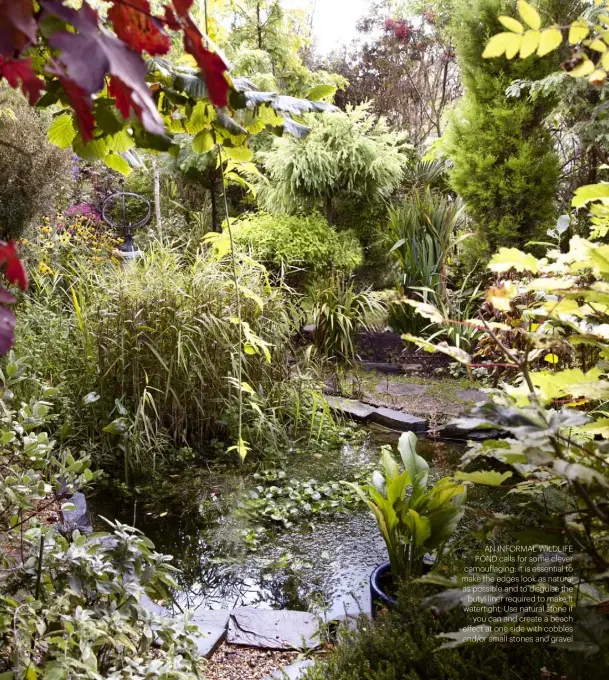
x: 216, y: 618
x: 271, y: 629
x: 211, y: 638
x: 351, y: 408
x: 294, y: 671
x: 400, y: 389
x: 398, y: 420
x: 471, y: 395
x: 78, y: 517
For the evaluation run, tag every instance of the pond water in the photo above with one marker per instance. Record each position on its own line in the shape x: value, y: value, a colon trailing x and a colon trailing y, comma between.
x: 320, y: 564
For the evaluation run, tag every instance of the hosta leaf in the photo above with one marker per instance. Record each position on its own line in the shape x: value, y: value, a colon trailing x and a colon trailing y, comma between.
x: 549, y: 40
x: 488, y: 478
x: 529, y: 15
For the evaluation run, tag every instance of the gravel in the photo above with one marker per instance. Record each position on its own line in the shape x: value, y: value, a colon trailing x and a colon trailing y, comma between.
x: 246, y: 663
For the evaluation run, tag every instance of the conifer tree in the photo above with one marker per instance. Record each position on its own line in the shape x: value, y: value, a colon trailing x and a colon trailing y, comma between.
x: 505, y: 165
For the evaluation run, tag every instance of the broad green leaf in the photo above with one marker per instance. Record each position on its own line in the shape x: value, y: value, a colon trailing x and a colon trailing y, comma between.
x: 512, y: 258
x: 203, y: 142
x: 95, y: 150
x: 199, y: 118
x: 118, y: 163
x: 530, y: 42
x: 549, y: 40
x: 529, y: 15
x: 62, y: 131
x: 118, y: 426
x: 579, y: 31
x: 120, y: 142
x: 320, y: 92
x: 241, y: 154
x: 511, y: 24
x: 502, y: 43
x: 488, y: 477
x: 589, y: 193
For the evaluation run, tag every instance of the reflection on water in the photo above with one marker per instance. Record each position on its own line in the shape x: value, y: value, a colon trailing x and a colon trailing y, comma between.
x: 322, y: 565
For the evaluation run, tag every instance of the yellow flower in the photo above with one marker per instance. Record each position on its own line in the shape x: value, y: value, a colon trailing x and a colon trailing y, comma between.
x: 44, y: 268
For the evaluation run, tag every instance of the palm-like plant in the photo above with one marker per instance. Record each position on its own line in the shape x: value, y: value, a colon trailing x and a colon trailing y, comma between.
x: 413, y: 520
x: 423, y: 233
x: 339, y: 311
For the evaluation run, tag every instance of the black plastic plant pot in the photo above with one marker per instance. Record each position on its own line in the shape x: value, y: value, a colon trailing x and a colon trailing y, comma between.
x: 379, y: 579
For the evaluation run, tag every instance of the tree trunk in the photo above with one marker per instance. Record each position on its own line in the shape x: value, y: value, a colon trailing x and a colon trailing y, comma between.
x: 259, y: 26
x: 329, y: 211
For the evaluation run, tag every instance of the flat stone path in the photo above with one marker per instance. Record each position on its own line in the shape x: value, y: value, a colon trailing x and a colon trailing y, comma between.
x: 294, y: 671
x: 400, y: 389
x: 272, y: 629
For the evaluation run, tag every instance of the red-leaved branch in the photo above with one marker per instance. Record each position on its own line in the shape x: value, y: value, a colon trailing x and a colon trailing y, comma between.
x: 84, y: 55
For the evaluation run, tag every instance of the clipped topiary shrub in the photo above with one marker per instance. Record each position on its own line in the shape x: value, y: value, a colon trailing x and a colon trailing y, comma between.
x: 299, y: 241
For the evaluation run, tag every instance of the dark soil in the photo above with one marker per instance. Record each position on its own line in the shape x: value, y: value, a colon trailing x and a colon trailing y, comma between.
x: 388, y: 347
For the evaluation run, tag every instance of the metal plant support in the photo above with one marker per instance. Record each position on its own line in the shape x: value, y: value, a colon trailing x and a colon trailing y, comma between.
x: 128, y: 247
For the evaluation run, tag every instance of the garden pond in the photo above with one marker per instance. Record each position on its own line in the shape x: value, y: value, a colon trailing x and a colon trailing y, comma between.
x: 281, y: 539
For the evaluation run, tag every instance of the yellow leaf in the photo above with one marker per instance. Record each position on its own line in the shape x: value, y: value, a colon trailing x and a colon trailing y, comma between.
x: 530, y: 42
x: 598, y: 77
x: 579, y: 31
x: 605, y: 61
x: 512, y: 24
x: 512, y: 258
x: 551, y: 358
x: 585, y: 68
x: 513, y: 46
x: 549, y: 40
x: 598, y: 46
x: 499, y: 44
x: 501, y: 297
x: 529, y: 15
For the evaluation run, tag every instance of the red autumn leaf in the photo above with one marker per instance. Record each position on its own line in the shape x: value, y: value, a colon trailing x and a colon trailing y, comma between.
x: 16, y: 70
x: 15, y: 271
x: 17, y: 26
x: 80, y: 99
x: 122, y: 99
x: 138, y: 29
x: 212, y: 66
x: 90, y: 54
x: 182, y: 6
